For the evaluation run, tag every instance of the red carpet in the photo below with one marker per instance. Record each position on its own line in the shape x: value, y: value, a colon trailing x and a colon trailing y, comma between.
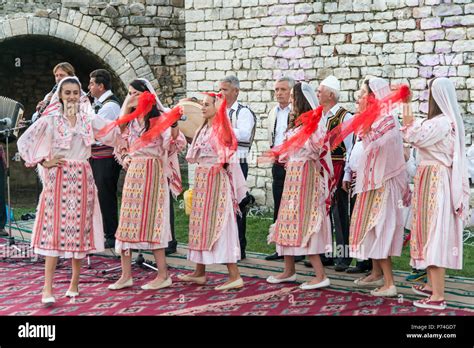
x: 22, y: 283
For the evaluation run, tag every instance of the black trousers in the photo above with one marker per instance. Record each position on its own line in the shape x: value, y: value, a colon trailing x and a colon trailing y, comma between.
x: 3, y: 204
x: 106, y: 174
x: 278, y: 175
x: 173, y: 243
x: 242, y: 220
x: 341, y: 220
x: 39, y: 188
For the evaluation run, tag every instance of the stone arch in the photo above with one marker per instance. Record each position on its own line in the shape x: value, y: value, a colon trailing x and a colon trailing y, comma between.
x: 123, y: 58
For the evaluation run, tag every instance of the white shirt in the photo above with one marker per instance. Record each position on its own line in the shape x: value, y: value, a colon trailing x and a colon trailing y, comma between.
x: 242, y: 126
x: 412, y: 163
x: 470, y: 161
x: 281, y: 124
x: 349, y: 139
x: 352, y: 162
x: 109, y: 111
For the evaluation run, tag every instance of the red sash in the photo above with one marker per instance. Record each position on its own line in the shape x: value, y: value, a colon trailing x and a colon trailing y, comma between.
x: 338, y: 166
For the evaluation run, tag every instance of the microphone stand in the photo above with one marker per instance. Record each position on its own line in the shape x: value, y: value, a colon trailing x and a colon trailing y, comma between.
x: 10, y: 239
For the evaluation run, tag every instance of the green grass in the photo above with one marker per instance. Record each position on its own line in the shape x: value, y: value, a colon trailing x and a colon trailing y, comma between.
x: 181, y: 223
x: 257, y: 231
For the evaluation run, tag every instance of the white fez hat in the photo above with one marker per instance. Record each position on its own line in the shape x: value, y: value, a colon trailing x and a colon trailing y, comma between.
x: 332, y: 82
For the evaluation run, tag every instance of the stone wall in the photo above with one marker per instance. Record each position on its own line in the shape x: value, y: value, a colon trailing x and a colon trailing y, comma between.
x: 261, y: 40
x: 132, y: 38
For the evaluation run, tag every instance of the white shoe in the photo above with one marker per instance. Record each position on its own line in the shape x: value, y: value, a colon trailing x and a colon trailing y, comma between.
x: 164, y: 284
x: 306, y: 286
x: 390, y: 292
x: 48, y: 301
x: 359, y: 282
x: 236, y: 284
x: 274, y: 280
x: 72, y: 293
x: 117, y: 286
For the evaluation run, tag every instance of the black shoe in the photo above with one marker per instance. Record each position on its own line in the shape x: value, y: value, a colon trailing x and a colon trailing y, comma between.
x: 357, y: 269
x: 327, y: 262
x: 109, y: 243
x: 340, y: 267
x: 308, y: 264
x: 3, y: 233
x: 248, y: 200
x: 273, y: 256
x: 299, y: 258
x: 243, y: 256
x: 354, y: 270
x: 169, y: 251
x: 27, y: 216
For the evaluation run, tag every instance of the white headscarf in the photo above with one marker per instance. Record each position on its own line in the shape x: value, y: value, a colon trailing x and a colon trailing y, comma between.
x: 63, y: 135
x: 310, y: 95
x: 55, y: 98
x: 444, y: 95
x: 150, y: 88
x: 379, y: 87
x: 159, y: 105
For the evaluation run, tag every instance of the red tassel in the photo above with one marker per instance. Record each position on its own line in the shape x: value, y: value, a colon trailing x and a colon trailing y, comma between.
x: 222, y: 128
x: 145, y: 103
x: 157, y: 126
x: 309, y: 121
x: 404, y: 92
x: 361, y: 123
x: 222, y: 131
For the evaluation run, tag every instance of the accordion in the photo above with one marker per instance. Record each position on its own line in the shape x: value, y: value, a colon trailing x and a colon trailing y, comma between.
x: 11, y: 113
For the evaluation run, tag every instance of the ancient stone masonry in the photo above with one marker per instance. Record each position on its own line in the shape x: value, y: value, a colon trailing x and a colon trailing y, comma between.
x: 133, y: 38
x: 260, y: 40
x: 185, y: 47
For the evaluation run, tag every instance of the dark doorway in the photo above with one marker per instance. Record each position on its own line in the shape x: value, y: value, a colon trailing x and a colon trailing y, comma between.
x: 26, y: 68
x: 26, y: 75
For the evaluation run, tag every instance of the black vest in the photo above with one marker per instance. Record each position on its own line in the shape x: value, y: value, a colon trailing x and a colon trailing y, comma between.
x: 339, y: 153
x: 111, y: 98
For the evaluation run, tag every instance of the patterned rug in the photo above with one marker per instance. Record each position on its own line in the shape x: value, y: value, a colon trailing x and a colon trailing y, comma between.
x: 21, y: 284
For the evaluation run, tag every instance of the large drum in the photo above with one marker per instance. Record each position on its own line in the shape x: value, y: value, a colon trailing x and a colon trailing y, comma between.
x: 194, y: 120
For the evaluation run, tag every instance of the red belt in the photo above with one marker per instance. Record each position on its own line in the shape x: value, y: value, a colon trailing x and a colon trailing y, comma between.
x: 338, y: 171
